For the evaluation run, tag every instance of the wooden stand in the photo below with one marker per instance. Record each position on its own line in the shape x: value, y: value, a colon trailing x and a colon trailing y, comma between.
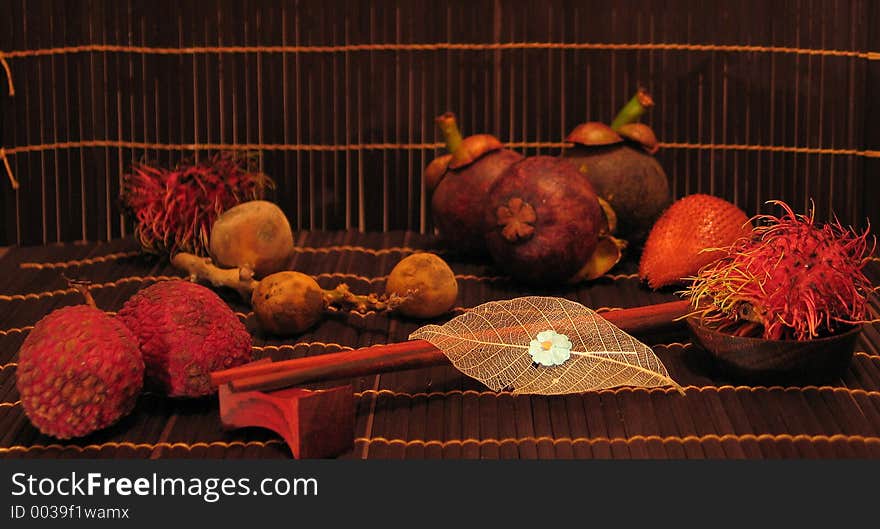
x: 314, y: 423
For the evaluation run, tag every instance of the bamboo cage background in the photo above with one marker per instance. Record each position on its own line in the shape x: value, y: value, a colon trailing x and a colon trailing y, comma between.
x: 755, y: 100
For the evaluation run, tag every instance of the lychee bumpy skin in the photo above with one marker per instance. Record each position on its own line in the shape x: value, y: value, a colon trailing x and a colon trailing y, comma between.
x: 79, y: 371
x: 185, y: 331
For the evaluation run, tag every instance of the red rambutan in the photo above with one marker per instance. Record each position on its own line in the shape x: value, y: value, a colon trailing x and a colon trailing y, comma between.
x: 792, y: 278
x: 175, y: 209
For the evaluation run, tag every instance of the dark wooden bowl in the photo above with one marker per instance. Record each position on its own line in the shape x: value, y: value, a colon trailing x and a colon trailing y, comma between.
x: 758, y: 360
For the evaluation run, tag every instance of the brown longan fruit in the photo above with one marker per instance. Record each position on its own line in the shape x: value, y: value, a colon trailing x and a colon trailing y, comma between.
x: 426, y: 283
x: 287, y: 302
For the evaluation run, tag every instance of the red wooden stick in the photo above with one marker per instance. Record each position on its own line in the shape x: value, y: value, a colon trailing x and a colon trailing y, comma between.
x: 219, y: 378
x: 409, y: 355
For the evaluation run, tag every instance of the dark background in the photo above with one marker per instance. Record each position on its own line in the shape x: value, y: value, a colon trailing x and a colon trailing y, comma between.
x: 791, y: 118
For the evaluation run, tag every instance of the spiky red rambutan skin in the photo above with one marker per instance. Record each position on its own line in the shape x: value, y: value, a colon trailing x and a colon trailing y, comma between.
x: 794, y: 278
x: 79, y: 370
x: 175, y: 209
x: 185, y: 332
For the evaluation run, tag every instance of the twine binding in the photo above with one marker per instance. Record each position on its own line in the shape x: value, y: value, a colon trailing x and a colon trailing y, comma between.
x: 306, y: 147
x: 144, y: 446
x: 445, y: 46
x: 8, y: 73
x: 9, y: 174
x: 623, y: 389
x: 739, y: 438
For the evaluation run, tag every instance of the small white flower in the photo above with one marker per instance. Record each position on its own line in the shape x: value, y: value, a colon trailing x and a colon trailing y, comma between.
x: 550, y: 348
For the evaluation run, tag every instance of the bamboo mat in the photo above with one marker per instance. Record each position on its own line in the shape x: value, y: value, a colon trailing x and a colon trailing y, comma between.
x: 436, y: 412
x: 755, y: 100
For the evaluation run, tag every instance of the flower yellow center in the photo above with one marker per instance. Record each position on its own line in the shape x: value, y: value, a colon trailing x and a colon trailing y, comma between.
x: 546, y: 345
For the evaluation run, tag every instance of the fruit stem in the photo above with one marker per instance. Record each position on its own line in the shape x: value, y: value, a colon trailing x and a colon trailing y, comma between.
x: 342, y: 297
x: 449, y: 126
x: 203, y: 269
x: 83, y: 288
x: 633, y: 109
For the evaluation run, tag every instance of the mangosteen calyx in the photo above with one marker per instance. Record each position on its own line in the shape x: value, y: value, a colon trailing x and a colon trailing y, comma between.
x: 472, y: 149
x: 517, y: 219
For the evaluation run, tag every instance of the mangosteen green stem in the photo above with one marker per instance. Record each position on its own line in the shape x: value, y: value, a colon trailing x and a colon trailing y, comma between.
x: 449, y: 126
x: 633, y: 110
